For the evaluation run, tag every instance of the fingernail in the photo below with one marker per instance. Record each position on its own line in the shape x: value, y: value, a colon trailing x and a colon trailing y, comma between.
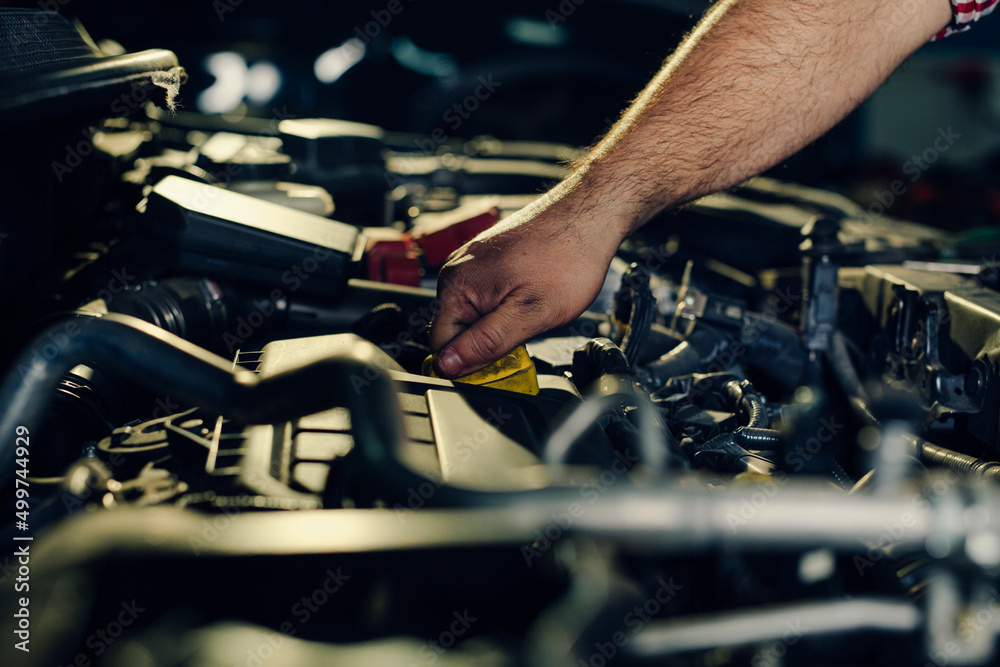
x: 450, y: 363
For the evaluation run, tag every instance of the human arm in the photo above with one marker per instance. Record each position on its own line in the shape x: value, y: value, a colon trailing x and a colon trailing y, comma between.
x: 754, y: 82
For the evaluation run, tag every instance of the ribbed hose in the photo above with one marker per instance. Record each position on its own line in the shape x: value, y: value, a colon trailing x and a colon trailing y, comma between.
x: 756, y: 438
x: 757, y: 413
x: 841, y: 477
x: 961, y: 463
x: 723, y: 453
x: 928, y: 452
x: 756, y: 434
x: 635, y: 283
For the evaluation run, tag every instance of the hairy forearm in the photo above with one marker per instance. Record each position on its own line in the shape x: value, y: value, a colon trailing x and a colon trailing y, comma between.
x: 756, y: 81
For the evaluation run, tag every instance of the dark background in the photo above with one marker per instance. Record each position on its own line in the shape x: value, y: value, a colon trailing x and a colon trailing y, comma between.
x: 567, y: 70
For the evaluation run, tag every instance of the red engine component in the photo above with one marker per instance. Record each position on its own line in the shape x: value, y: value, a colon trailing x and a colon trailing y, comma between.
x: 394, y: 262
x: 394, y: 257
x: 449, y: 232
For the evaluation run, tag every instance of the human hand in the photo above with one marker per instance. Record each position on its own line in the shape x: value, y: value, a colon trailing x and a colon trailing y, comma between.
x: 537, y: 269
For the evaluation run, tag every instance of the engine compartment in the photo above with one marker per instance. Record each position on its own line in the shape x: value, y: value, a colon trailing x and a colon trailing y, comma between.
x: 773, y: 439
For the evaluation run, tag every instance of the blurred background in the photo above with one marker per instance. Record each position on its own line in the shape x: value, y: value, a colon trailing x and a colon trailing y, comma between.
x: 566, y: 69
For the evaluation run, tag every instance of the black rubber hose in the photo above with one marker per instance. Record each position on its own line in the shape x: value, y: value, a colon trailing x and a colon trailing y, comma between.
x: 600, y: 363
x: 843, y: 367
x: 705, y: 348
x: 772, y: 347
x: 721, y: 453
x: 597, y: 357
x: 197, y: 309
x: 756, y: 438
x: 627, y: 438
x: 383, y: 317
x: 757, y: 413
x: 136, y: 351
x: 755, y: 434
x: 635, y: 284
x: 154, y: 359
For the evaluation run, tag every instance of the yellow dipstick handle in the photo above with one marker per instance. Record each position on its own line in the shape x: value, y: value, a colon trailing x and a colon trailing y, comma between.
x: 513, y: 372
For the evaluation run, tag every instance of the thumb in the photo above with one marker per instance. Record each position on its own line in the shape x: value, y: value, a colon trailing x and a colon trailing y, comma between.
x: 487, y: 339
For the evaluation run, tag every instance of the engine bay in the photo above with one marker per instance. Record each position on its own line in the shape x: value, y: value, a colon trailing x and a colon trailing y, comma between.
x: 773, y: 439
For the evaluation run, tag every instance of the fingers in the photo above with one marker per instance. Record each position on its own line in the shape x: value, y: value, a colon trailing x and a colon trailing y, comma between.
x: 452, y: 317
x: 487, y: 339
x: 454, y: 312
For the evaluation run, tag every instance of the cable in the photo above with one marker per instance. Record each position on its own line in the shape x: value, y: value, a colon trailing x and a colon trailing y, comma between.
x: 635, y: 292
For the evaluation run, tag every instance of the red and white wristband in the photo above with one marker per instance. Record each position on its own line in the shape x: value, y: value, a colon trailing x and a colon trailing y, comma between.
x: 964, y: 13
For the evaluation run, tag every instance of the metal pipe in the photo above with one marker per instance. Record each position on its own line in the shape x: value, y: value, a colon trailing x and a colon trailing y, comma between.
x: 788, y: 623
x: 963, y: 463
x: 661, y: 519
x: 770, y: 515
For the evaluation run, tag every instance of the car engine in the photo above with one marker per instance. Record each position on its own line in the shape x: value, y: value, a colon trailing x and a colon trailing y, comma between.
x: 773, y: 439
